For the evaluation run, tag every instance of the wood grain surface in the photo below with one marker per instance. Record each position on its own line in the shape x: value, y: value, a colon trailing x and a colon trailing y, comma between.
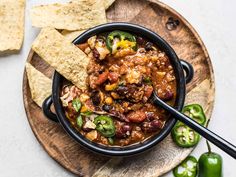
x: 166, y: 155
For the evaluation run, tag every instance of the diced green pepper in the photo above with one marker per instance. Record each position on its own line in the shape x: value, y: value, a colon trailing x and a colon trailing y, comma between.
x: 87, y: 113
x: 110, y: 140
x: 76, y: 104
x: 79, y: 121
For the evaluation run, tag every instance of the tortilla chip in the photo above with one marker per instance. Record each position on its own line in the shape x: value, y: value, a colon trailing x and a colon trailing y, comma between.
x: 12, y: 14
x: 108, y: 3
x: 71, y: 35
x: 65, y: 57
x: 76, y: 15
x: 40, y: 85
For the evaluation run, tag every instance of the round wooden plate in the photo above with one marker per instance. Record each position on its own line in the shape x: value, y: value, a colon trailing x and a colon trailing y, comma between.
x: 166, y: 155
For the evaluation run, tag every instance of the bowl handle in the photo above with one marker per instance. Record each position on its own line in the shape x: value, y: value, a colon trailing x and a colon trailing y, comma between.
x: 47, y: 109
x: 189, y: 71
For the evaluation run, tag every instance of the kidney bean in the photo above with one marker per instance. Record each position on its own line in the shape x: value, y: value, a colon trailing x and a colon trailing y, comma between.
x: 152, y: 126
x: 96, y: 54
x: 122, y: 130
x: 136, y: 116
x: 167, y: 95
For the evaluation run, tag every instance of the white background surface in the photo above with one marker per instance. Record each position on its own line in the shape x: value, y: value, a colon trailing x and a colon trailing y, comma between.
x: 21, y: 154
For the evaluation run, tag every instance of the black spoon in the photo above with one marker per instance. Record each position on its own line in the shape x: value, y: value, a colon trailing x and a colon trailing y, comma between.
x: 206, y: 133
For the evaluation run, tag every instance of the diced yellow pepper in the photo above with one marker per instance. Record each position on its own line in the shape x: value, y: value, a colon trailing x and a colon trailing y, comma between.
x: 111, y: 87
x: 109, y: 100
x: 83, y: 109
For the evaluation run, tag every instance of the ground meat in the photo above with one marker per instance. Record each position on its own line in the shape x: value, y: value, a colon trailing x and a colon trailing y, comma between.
x: 147, y: 93
x: 135, y: 93
x: 92, y: 79
x: 137, y: 135
x: 113, y: 77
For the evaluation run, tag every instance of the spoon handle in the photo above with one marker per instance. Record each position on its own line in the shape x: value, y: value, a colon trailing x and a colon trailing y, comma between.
x: 206, y: 133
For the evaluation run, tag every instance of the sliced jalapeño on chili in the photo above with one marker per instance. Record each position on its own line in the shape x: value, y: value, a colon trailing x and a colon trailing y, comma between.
x: 105, y: 125
x: 188, y: 168
x: 183, y: 135
x: 120, y: 39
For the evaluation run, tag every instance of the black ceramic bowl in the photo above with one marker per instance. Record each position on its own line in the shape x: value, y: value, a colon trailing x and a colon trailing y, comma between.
x: 135, y: 148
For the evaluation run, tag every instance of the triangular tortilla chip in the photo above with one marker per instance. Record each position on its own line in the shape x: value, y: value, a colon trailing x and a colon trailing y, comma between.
x: 75, y: 15
x: 61, y: 54
x: 40, y: 85
x: 71, y: 35
x: 108, y: 3
x: 12, y: 13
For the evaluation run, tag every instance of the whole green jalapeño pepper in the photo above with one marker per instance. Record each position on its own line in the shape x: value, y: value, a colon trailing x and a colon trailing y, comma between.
x: 195, y: 112
x: 188, y: 168
x: 126, y: 40
x: 210, y: 164
x: 182, y: 134
x: 105, y: 125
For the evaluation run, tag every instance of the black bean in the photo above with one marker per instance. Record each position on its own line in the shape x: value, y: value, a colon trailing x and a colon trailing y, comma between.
x: 106, y: 107
x: 96, y: 99
x: 122, y: 90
